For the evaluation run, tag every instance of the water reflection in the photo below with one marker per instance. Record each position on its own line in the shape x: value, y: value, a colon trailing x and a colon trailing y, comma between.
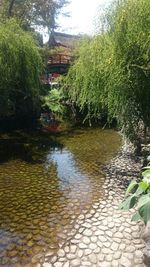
x: 67, y: 171
x: 41, y: 199
x: 71, y: 179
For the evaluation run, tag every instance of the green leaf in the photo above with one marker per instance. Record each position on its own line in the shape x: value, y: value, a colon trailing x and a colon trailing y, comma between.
x: 131, y: 186
x: 128, y: 203
x: 146, y: 176
x: 136, y: 217
x: 143, y: 186
x: 143, y: 200
x: 144, y: 212
x: 146, y: 168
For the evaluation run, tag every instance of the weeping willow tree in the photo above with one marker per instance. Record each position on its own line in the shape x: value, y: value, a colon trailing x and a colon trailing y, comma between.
x: 129, y: 82
x: 20, y: 67
x: 87, y: 78
x: 112, y: 70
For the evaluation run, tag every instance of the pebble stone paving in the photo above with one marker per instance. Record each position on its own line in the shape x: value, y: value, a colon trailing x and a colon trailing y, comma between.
x: 105, y: 236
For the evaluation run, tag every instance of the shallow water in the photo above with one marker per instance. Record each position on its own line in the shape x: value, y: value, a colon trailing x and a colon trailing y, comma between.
x: 45, y: 184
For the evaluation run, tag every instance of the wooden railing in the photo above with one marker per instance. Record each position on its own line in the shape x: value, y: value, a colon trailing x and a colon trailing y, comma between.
x: 59, y: 59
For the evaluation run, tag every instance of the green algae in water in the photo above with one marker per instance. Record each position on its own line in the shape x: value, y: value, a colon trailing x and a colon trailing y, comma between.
x: 42, y: 195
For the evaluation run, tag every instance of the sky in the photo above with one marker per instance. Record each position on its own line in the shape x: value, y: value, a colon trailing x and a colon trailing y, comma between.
x: 82, y: 16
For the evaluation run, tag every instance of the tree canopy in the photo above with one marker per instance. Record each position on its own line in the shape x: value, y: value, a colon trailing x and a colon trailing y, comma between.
x: 33, y: 13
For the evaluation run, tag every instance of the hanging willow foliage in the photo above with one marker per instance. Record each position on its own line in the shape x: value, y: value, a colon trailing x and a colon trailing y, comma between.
x: 20, y: 67
x: 87, y: 78
x: 112, y: 70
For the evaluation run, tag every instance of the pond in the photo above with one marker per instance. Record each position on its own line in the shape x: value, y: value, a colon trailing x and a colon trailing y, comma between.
x: 46, y: 183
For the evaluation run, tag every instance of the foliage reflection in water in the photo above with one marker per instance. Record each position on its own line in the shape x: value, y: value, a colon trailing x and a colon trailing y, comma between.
x: 41, y: 199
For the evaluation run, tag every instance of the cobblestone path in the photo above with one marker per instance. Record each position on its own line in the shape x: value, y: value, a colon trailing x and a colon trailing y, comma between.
x: 104, y: 237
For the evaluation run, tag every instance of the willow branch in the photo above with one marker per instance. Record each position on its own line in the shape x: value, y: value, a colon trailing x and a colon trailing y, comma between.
x: 11, y: 8
x: 140, y: 67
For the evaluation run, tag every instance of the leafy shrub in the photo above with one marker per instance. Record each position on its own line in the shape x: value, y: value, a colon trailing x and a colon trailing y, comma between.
x: 54, y: 101
x: 140, y: 196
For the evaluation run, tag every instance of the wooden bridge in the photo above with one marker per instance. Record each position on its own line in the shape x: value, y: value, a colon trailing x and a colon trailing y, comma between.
x: 59, y: 63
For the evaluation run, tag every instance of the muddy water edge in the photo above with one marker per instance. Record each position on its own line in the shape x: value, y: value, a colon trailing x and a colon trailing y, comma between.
x: 46, y: 183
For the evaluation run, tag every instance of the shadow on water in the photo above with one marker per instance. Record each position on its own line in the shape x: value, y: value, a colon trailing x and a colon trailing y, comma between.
x: 46, y: 182
x: 26, y: 147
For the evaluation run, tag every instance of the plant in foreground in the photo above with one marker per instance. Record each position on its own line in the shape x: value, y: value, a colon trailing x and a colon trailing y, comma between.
x: 138, y: 193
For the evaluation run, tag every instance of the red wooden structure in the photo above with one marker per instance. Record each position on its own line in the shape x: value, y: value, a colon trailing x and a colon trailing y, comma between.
x: 63, y: 45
